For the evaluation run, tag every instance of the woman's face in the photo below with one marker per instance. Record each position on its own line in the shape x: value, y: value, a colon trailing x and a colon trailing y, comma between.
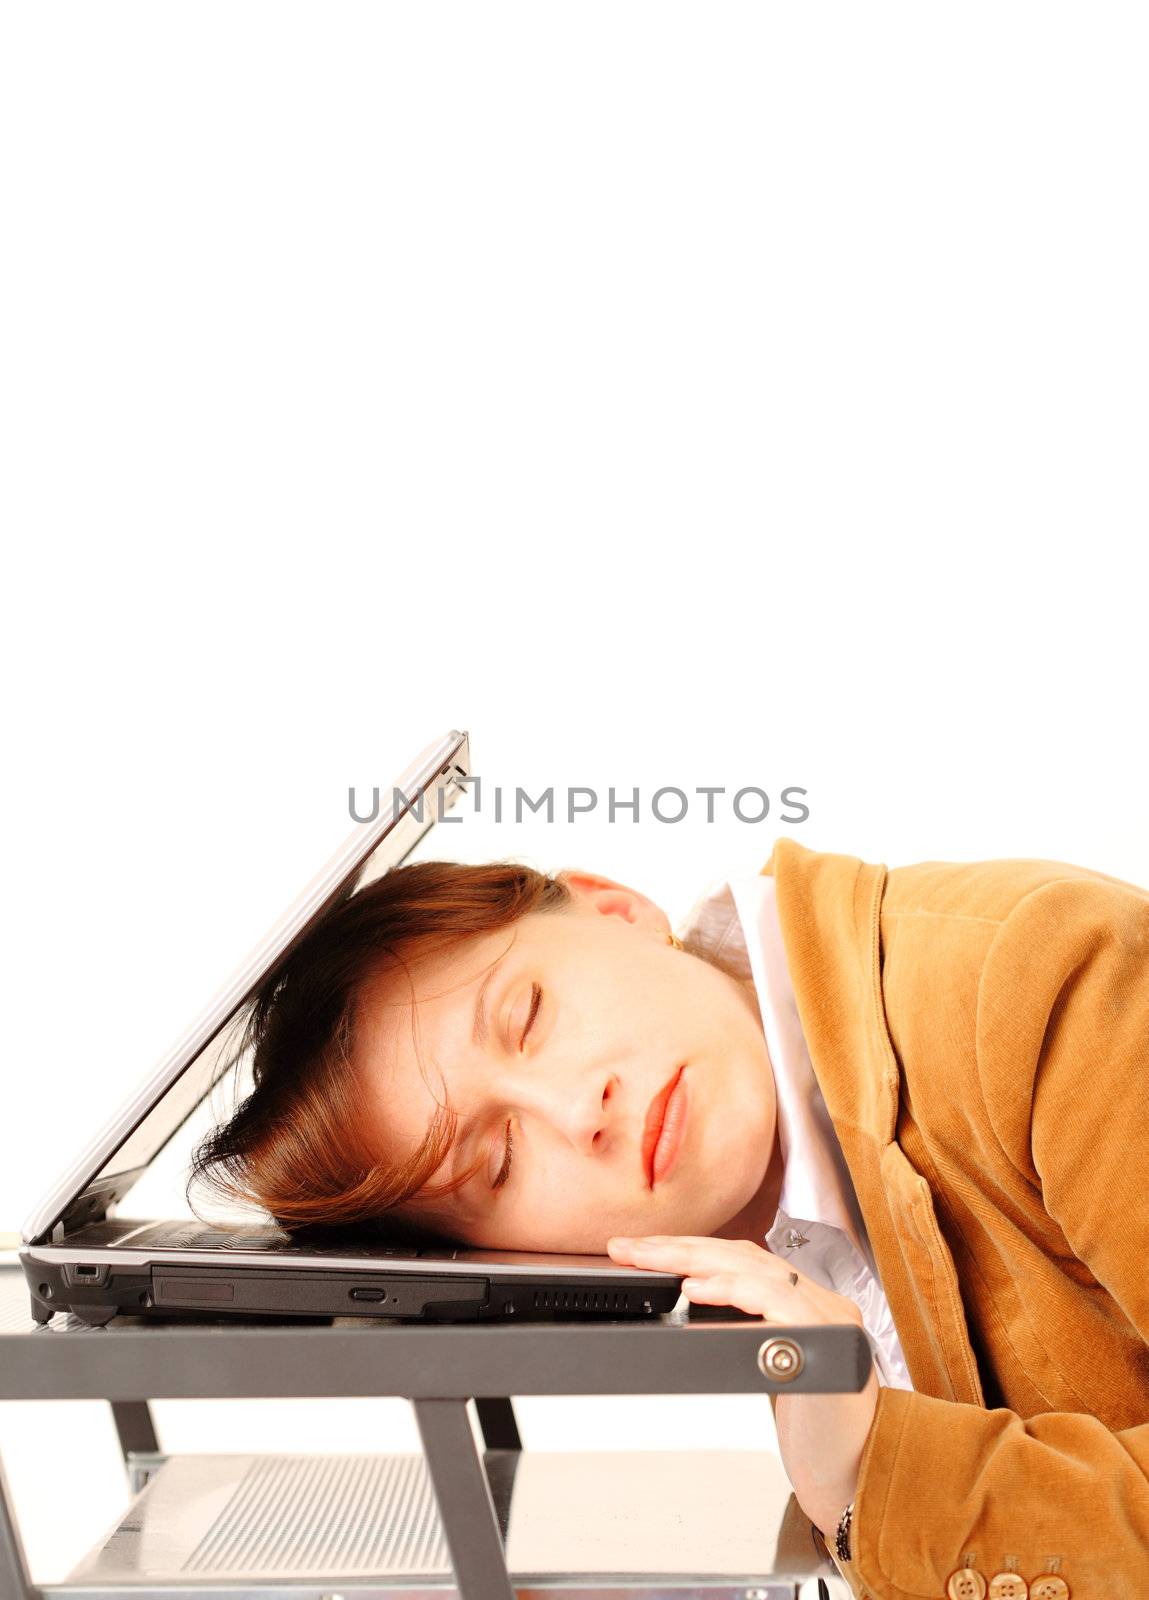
x: 564, y: 1028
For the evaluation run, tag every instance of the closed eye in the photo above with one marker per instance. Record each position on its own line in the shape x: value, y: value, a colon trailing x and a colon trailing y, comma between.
x: 536, y: 998
x: 505, y: 1169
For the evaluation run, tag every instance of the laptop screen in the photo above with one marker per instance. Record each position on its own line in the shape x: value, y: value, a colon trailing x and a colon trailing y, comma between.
x: 209, y: 1048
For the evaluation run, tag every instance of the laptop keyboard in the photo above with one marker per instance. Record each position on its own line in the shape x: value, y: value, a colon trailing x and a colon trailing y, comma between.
x: 200, y: 1238
x: 194, y: 1235
x: 272, y: 1239
x: 197, y: 1237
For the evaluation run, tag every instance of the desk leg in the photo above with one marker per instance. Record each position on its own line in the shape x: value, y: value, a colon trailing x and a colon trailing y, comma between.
x: 15, y: 1579
x: 466, y: 1510
x: 497, y: 1420
x: 135, y: 1428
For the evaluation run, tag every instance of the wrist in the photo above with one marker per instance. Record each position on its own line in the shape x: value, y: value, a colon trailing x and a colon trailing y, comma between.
x: 822, y: 1496
x: 826, y: 1509
x: 837, y: 1538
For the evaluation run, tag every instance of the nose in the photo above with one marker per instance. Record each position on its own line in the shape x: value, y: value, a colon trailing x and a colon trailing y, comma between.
x: 581, y: 1107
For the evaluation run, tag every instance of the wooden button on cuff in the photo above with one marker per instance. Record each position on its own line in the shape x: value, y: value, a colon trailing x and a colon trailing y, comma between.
x: 966, y: 1583
x: 1008, y: 1586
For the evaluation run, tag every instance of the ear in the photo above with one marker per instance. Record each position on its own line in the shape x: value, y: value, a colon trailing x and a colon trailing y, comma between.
x: 612, y: 899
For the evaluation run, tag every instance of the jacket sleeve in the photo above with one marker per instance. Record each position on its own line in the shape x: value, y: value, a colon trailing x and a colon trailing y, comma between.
x: 1063, y: 1055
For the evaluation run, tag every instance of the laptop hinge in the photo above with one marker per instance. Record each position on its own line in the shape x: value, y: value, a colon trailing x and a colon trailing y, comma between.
x: 92, y: 1205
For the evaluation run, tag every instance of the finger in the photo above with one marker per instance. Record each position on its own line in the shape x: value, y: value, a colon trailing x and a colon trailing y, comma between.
x: 750, y: 1292
x: 675, y: 1238
x: 744, y: 1291
x: 697, y: 1255
x: 684, y: 1239
x: 726, y: 1249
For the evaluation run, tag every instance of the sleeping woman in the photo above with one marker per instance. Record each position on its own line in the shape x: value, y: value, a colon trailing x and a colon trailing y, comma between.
x: 912, y: 1100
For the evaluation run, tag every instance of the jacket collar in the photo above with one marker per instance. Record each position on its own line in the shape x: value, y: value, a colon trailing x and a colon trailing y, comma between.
x: 830, y: 906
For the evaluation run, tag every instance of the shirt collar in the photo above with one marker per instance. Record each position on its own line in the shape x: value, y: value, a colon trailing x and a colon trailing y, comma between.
x: 737, y: 919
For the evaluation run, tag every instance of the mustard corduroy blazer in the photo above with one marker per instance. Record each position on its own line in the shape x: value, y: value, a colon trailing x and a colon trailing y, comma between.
x: 980, y: 1032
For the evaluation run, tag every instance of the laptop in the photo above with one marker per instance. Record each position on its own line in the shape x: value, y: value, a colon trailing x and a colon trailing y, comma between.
x: 80, y: 1256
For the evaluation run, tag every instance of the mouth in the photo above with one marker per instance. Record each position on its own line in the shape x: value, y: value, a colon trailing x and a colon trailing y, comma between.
x: 652, y: 1127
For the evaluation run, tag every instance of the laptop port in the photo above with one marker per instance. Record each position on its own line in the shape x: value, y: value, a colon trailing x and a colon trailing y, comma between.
x: 84, y: 1272
x: 368, y: 1294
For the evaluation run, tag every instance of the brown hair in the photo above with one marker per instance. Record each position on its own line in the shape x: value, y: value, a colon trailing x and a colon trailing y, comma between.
x: 294, y: 1145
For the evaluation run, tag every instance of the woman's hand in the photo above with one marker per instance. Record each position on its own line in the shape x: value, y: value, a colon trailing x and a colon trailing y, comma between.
x: 820, y: 1436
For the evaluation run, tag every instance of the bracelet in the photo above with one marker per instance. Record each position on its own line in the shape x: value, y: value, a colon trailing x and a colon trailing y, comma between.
x: 842, y: 1538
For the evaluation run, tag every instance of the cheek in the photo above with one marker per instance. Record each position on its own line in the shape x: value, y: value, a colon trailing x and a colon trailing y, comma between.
x: 549, y: 1204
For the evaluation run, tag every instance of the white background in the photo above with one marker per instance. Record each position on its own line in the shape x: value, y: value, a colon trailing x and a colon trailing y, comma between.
x: 665, y: 394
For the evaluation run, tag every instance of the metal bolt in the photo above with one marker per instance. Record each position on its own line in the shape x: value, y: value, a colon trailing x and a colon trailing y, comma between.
x: 780, y: 1359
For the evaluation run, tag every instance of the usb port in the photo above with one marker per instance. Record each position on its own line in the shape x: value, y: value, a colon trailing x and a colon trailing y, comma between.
x: 85, y: 1272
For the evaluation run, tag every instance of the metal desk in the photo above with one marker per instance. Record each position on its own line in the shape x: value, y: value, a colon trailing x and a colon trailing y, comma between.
x: 484, y: 1523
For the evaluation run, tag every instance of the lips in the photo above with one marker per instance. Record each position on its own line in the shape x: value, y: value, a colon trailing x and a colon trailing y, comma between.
x: 652, y: 1127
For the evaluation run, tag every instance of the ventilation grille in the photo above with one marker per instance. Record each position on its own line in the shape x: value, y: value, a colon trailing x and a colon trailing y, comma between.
x: 330, y: 1515
x: 582, y: 1300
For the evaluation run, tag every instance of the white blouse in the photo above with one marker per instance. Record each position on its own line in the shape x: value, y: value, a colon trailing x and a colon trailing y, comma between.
x: 819, y: 1222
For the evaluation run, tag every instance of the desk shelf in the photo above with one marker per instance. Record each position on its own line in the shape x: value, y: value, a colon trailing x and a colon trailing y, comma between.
x: 705, y: 1524
x: 483, y: 1523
